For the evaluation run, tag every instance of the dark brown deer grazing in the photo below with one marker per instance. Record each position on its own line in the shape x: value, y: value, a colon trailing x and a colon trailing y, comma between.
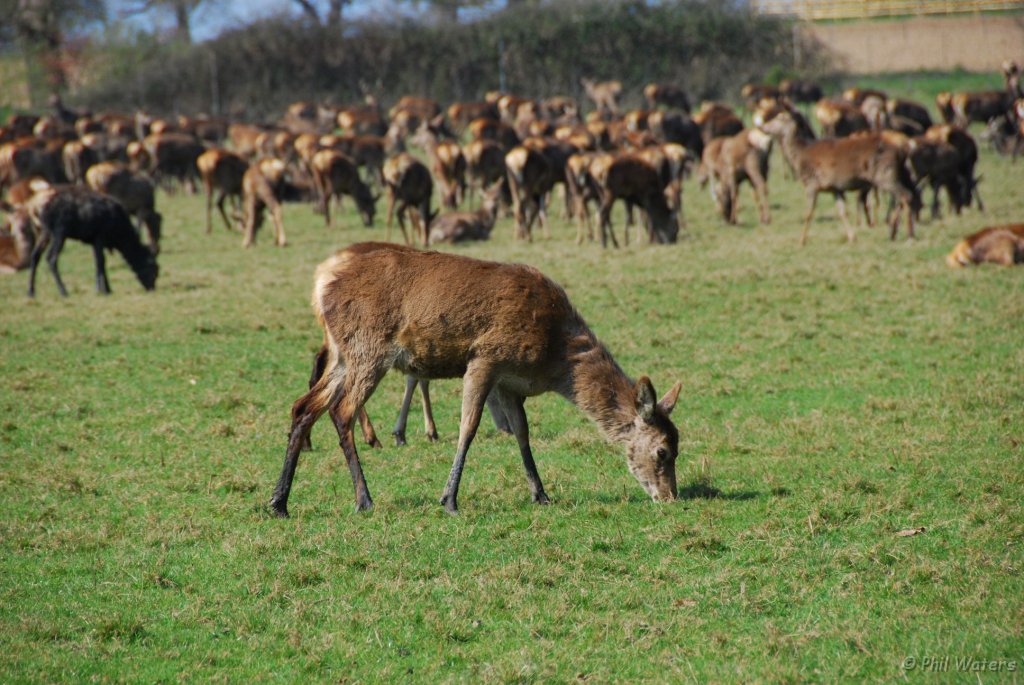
x: 457, y: 227
x: 1002, y: 245
x: 507, y: 330
x: 666, y: 95
x: 638, y: 183
x: 222, y: 171
x: 260, y: 187
x: 134, y: 191
x: 410, y: 187
x: 840, y: 165
x: 336, y: 174
x: 83, y: 214
x: 604, y: 94
x: 716, y: 120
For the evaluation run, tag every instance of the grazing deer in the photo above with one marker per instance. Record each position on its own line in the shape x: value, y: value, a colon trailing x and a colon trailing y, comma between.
x: 82, y: 214
x: 638, y: 183
x: 510, y: 332
x: 1002, y: 245
x: 134, y: 191
x: 840, y: 165
x: 336, y: 174
x: 800, y: 91
x: 410, y: 187
x: 222, y: 171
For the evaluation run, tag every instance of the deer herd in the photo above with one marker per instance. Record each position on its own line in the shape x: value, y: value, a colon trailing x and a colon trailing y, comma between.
x: 507, y: 330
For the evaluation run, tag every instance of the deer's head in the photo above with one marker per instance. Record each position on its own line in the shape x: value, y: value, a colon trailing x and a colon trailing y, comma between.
x: 654, y: 444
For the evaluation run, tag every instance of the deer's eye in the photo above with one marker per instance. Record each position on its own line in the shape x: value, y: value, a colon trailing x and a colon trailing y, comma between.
x: 662, y: 453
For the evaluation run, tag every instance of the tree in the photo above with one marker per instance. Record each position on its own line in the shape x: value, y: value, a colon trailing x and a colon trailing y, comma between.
x: 182, y: 10
x: 334, y: 10
x: 41, y: 27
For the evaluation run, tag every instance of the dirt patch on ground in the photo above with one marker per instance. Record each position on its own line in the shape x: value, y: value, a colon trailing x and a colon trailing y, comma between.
x: 975, y: 43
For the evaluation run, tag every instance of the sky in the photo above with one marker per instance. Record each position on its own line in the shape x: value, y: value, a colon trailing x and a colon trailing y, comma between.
x: 208, y: 21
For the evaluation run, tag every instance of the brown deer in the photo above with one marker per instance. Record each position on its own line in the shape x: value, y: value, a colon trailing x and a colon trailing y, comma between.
x: 260, y: 186
x: 221, y: 171
x: 530, y: 179
x: 336, y: 174
x: 447, y: 161
x: 457, y: 227
x: 732, y: 160
x: 667, y: 95
x: 604, y: 94
x: 17, y: 240
x: 510, y: 332
x: 840, y: 165
x: 638, y: 183
x: 838, y: 118
x: 134, y: 191
x: 485, y: 165
x: 1002, y: 245
x: 410, y: 187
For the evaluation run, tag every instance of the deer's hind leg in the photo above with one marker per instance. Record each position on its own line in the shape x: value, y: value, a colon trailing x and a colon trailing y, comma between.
x: 324, y: 394
x: 359, y: 385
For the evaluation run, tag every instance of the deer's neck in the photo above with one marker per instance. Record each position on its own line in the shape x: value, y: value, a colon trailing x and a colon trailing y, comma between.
x: 600, y: 388
x: 793, y: 145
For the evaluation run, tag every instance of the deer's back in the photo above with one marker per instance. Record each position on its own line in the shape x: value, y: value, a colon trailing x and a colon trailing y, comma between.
x: 430, y: 314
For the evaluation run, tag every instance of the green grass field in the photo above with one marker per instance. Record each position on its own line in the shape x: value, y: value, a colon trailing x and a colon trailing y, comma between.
x: 832, y: 396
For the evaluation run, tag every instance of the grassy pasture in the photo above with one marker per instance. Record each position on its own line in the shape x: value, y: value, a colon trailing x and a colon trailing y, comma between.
x: 833, y: 396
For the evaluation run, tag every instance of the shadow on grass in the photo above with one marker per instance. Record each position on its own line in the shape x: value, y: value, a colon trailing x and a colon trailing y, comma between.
x: 702, y: 489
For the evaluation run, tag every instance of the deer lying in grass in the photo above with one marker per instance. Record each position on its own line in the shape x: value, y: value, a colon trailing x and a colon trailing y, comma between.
x: 82, y: 214
x: 507, y: 330
x: 457, y: 227
x: 222, y: 171
x: 841, y: 165
x: 410, y: 187
x: 336, y: 174
x: 1002, y: 245
x: 134, y: 191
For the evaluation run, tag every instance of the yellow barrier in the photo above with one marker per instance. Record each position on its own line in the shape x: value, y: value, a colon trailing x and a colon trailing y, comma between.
x: 865, y: 9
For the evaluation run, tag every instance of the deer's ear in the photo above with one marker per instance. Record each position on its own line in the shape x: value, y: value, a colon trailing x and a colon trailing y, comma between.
x: 645, y: 398
x: 668, y: 402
